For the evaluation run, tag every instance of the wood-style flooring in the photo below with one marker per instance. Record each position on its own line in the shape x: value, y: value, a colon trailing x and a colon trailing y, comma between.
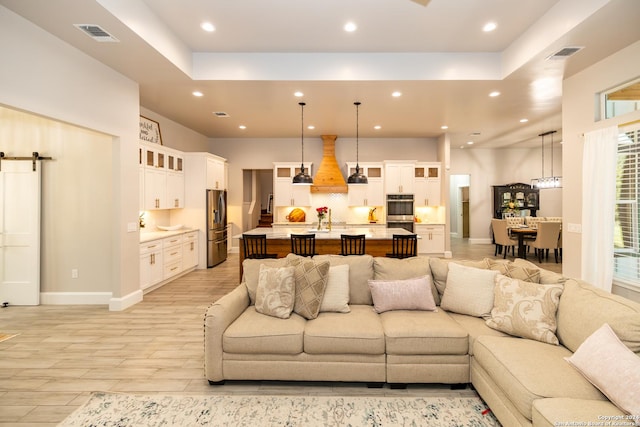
x: 63, y: 353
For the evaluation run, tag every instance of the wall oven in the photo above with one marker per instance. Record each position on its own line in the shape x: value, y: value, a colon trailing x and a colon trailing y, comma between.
x: 400, y: 211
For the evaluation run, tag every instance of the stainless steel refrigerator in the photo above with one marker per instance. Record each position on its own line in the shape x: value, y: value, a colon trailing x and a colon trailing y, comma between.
x: 216, y: 227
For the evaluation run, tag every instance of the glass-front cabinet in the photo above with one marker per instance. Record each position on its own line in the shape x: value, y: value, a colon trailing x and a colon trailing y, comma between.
x: 516, y: 199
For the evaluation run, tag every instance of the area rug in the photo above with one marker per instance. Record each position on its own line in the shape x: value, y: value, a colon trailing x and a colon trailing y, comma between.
x: 4, y: 337
x: 110, y: 409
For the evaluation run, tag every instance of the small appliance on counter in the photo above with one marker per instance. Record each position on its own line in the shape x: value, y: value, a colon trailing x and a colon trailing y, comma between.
x: 216, y: 227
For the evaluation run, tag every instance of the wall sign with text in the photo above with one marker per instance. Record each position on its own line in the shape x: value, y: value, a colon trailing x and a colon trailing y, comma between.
x: 150, y: 131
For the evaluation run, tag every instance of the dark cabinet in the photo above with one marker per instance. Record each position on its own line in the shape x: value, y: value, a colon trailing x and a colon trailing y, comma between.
x: 515, y: 198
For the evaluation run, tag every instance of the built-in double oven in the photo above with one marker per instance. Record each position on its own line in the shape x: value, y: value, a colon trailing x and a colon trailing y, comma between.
x: 400, y: 211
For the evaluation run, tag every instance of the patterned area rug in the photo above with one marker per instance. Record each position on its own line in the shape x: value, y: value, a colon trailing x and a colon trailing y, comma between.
x: 107, y: 409
x: 4, y: 337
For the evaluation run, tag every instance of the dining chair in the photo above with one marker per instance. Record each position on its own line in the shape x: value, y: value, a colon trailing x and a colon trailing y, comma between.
x: 501, y: 237
x: 547, y: 238
x: 303, y: 244
x: 533, y: 221
x: 404, y: 246
x: 514, y: 221
x: 352, y: 244
x: 255, y: 246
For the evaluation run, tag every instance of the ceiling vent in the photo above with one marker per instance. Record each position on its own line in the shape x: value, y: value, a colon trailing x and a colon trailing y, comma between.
x: 96, y: 32
x: 220, y: 114
x: 565, y: 52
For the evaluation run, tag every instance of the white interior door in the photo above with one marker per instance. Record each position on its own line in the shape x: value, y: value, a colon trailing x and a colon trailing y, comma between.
x: 20, y: 233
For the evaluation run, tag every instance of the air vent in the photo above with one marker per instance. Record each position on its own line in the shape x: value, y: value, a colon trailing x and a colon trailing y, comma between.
x: 565, y: 52
x: 221, y: 114
x: 96, y: 32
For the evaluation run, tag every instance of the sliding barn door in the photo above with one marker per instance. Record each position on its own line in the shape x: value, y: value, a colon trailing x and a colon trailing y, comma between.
x: 20, y: 233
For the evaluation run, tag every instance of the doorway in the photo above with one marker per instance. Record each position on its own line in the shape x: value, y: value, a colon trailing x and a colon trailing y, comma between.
x: 257, y: 193
x: 459, y: 193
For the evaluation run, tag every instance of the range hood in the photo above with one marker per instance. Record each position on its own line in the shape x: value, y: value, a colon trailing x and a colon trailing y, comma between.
x: 329, y: 178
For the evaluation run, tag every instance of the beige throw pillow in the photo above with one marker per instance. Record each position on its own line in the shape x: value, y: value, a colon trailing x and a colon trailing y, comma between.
x: 469, y: 290
x: 310, y: 281
x: 440, y: 270
x: 612, y: 367
x: 409, y: 294
x: 275, y: 292
x: 516, y: 272
x: 525, y: 309
x: 336, y: 294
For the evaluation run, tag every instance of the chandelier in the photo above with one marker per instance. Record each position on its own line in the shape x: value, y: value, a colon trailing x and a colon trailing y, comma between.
x: 547, y: 181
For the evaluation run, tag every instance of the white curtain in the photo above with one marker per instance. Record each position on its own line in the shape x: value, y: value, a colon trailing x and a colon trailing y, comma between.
x: 598, y: 200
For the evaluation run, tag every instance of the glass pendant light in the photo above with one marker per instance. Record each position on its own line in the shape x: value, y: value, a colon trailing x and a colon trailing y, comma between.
x: 302, y: 178
x: 357, y: 177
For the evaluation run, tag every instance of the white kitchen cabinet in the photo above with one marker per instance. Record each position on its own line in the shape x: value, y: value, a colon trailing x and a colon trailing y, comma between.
x: 398, y: 177
x: 427, y: 184
x: 285, y: 193
x: 371, y: 194
x: 431, y: 239
x: 163, y: 183
x: 216, y: 173
x: 151, y: 264
x: 190, y: 250
x: 172, y: 256
x: 175, y: 190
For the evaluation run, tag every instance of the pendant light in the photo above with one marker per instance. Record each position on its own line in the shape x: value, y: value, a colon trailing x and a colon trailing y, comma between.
x: 302, y: 178
x: 544, y: 181
x: 357, y: 177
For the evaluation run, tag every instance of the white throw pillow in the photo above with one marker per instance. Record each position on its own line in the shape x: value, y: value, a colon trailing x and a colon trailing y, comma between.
x: 275, y: 294
x: 469, y: 290
x: 409, y: 294
x: 612, y: 367
x: 336, y: 294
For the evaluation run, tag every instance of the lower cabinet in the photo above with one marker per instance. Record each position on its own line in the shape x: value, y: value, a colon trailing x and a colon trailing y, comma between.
x: 190, y: 250
x: 431, y: 239
x: 151, y: 265
x: 163, y: 259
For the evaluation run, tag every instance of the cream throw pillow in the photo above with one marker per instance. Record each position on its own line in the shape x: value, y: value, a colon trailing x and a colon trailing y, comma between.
x: 612, y: 367
x: 311, y: 281
x: 275, y: 292
x: 409, y: 294
x: 525, y: 309
x: 469, y: 290
x: 336, y: 294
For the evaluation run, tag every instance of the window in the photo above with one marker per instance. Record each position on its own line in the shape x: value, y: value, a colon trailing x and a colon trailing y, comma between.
x: 626, y: 241
x: 620, y: 100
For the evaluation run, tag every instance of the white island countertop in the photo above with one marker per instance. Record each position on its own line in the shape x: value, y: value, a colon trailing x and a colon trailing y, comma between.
x: 379, y: 233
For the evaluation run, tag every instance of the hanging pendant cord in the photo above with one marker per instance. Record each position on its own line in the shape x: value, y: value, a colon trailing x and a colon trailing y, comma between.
x: 302, y: 104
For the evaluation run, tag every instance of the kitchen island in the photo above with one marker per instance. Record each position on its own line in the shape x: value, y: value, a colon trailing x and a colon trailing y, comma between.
x: 378, y: 240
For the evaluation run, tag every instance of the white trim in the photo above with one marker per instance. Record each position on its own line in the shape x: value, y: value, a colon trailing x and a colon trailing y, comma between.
x: 448, y: 254
x: 119, y: 304
x: 483, y: 241
x: 75, y: 298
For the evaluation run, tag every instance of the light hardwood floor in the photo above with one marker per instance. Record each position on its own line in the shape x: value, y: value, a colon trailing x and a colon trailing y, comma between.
x: 63, y: 353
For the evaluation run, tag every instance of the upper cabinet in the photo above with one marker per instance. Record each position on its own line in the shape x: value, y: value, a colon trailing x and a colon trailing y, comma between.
x: 517, y: 199
x: 285, y: 193
x: 427, y: 184
x: 399, y: 177
x: 371, y: 194
x: 216, y: 174
x: 161, y: 177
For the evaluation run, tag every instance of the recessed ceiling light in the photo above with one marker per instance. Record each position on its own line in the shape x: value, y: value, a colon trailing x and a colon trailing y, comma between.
x: 298, y: 94
x: 396, y: 94
x: 197, y: 93
x: 377, y: 127
x: 524, y: 120
x: 208, y: 27
x: 489, y: 26
x: 444, y: 127
x: 242, y: 127
x: 469, y: 142
x: 311, y: 127
x: 350, y: 27
x: 494, y: 94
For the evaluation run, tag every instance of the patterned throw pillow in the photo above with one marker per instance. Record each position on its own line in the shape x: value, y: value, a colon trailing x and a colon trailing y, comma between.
x: 516, y: 272
x: 311, y: 282
x: 525, y: 309
x: 275, y: 292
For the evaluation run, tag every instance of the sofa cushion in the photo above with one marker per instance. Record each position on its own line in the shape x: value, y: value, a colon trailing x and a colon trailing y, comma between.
x: 257, y: 333
x: 526, y: 370
x: 310, y: 278
x: 440, y: 270
x: 514, y: 271
x: 423, y: 332
x: 276, y: 291
x: 525, y: 309
x: 251, y: 273
x: 357, y: 332
x: 398, y: 269
x: 547, y: 277
x: 408, y: 294
x: 609, y: 365
x: 475, y: 327
x: 360, y: 271
x: 584, y: 308
x: 469, y: 290
x: 336, y: 295
x: 577, y: 412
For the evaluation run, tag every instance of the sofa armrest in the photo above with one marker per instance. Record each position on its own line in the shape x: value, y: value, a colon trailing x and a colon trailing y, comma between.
x: 217, y: 319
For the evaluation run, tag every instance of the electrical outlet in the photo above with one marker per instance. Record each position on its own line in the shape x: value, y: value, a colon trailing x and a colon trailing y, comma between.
x: 74, y: 273
x: 574, y: 228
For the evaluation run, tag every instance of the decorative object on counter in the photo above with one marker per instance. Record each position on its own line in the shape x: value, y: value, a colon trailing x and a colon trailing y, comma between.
x: 302, y: 177
x: 141, y: 222
x: 322, y: 211
x: 296, y: 215
x: 547, y: 181
x: 170, y: 227
x: 372, y: 216
x: 357, y: 177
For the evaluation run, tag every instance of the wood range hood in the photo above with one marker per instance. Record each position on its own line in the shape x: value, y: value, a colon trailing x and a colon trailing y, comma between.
x: 329, y: 178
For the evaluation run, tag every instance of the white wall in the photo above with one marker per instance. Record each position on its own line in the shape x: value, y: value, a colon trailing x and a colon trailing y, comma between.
x: 175, y: 135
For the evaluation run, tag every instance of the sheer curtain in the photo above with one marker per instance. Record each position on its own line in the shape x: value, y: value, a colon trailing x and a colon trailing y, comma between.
x: 598, y: 205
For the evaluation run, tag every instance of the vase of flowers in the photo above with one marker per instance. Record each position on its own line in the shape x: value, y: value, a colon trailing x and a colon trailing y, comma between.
x: 322, y: 213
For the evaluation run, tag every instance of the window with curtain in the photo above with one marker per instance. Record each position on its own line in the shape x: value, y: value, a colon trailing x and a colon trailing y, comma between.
x: 626, y: 268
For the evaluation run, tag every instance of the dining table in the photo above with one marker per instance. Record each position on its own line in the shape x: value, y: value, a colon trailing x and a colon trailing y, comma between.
x: 523, y: 233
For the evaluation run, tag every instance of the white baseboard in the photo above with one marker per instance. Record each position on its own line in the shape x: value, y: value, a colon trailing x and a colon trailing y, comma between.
x: 119, y: 304
x: 75, y: 298
x: 448, y: 254
x: 485, y: 241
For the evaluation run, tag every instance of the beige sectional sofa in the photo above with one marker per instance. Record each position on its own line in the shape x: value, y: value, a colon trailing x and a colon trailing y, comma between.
x: 524, y: 381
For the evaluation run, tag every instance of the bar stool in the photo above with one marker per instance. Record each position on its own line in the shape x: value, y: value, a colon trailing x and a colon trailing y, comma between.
x: 255, y: 246
x: 352, y: 244
x: 303, y: 244
x: 404, y: 246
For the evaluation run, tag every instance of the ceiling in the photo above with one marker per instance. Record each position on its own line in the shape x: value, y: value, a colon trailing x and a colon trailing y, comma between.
x: 437, y: 56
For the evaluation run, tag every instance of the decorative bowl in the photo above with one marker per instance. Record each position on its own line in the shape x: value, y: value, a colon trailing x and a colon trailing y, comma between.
x: 170, y: 227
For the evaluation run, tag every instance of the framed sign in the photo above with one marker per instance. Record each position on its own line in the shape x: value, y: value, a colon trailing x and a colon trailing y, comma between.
x: 150, y: 131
